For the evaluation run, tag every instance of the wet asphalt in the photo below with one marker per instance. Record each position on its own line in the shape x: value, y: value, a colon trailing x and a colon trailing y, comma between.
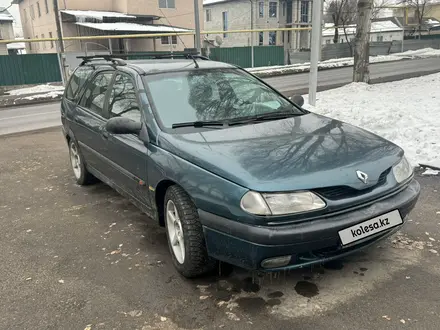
x: 85, y: 258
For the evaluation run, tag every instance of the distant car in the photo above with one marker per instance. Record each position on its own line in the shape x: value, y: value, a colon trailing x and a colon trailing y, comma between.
x: 234, y: 170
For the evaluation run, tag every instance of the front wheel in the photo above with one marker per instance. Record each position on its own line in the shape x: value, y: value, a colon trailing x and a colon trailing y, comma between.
x: 185, y: 234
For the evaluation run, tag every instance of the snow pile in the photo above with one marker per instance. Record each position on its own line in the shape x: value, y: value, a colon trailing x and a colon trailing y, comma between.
x: 405, y: 112
x: 421, y: 53
x: 36, y: 89
x: 341, y: 62
x: 50, y: 95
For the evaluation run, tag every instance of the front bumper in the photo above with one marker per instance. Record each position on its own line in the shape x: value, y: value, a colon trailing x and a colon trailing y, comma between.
x: 308, y: 242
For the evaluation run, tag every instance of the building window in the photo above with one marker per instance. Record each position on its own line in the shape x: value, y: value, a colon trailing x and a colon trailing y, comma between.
x: 272, y: 9
x: 43, y: 42
x: 304, y: 11
x: 261, y: 9
x: 36, y: 44
x: 208, y: 15
x: 272, y: 38
x: 379, y: 38
x: 32, y: 12
x: 284, y: 9
x: 47, y: 6
x: 260, y: 38
x: 289, y: 12
x: 25, y: 15
x: 167, y: 4
x: 167, y: 40
x: 38, y: 9
x: 327, y: 42
x: 225, y: 23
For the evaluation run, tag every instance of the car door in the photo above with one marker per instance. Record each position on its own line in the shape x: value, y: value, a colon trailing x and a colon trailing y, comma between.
x: 126, y: 152
x: 90, y: 118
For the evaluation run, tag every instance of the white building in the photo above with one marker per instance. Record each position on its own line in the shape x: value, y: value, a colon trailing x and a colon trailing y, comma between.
x: 226, y: 15
x: 381, y: 31
x: 6, y: 29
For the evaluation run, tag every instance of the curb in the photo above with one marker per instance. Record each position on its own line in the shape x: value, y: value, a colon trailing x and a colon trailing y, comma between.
x: 5, y: 104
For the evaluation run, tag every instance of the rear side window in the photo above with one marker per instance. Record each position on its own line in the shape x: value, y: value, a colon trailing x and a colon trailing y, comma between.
x: 94, y: 95
x: 77, y: 81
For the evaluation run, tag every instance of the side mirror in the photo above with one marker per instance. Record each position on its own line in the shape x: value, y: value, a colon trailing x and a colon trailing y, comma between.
x: 122, y: 125
x: 298, y: 100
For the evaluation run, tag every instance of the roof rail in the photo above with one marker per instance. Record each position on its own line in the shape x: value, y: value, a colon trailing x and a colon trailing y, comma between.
x: 108, y: 58
x: 159, y: 55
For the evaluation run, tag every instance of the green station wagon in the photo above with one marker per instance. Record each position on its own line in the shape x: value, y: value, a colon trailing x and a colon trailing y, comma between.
x: 234, y: 170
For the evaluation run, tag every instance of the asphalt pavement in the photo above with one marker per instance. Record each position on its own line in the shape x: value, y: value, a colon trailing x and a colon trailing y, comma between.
x: 33, y: 117
x: 85, y: 258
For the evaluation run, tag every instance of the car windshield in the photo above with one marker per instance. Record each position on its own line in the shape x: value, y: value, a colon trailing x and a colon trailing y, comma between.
x: 213, y: 95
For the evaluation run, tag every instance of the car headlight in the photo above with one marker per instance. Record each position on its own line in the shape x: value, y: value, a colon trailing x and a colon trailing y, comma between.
x: 403, y: 170
x: 280, y: 203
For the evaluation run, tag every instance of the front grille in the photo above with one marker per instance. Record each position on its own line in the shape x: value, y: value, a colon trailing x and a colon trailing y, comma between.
x: 341, y: 192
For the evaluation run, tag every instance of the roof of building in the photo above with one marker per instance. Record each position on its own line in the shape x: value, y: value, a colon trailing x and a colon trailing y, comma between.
x: 5, y: 15
x: 96, y: 14
x: 133, y: 27
x: 214, y: 2
x: 376, y: 27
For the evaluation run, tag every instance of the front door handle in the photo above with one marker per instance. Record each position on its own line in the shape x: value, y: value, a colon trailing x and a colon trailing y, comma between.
x: 105, y: 134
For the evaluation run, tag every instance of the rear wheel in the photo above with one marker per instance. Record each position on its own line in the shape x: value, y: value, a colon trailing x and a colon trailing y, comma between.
x: 185, y: 234
x: 82, y: 176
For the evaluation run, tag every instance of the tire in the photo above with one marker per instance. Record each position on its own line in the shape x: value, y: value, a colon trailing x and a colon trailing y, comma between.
x: 82, y: 176
x: 184, y: 228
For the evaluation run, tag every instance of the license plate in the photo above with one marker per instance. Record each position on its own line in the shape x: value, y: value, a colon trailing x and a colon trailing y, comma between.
x: 370, y: 227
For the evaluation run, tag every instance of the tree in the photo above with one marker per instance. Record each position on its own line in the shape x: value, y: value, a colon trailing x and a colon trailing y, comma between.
x: 421, y: 8
x: 341, y: 13
x: 361, y: 71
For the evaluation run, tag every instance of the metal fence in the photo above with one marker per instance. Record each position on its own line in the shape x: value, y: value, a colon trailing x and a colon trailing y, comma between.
x: 241, y: 56
x: 29, y: 69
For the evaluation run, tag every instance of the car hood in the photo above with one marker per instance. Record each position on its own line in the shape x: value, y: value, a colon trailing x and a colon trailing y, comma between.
x: 304, y: 152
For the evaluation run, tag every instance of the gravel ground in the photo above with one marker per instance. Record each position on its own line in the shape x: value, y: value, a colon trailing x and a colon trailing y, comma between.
x: 84, y: 258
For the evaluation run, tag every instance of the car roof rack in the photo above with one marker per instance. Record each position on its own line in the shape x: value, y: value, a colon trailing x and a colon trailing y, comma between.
x: 165, y: 55
x: 108, y: 58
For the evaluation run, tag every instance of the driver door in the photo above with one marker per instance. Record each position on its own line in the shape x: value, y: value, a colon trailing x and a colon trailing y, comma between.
x: 126, y: 153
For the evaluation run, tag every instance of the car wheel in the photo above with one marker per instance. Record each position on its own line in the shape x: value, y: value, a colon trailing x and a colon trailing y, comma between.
x: 185, y: 234
x: 82, y: 176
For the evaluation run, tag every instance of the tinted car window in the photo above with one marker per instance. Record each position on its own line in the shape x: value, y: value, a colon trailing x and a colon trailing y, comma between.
x: 123, y: 101
x: 204, y: 95
x: 94, y: 96
x: 78, y: 79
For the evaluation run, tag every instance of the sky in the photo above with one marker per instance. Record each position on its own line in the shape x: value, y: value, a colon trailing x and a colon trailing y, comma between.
x: 14, y: 12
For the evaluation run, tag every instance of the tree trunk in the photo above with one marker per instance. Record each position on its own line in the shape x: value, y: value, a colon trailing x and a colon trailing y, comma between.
x: 361, y: 71
x: 336, y: 36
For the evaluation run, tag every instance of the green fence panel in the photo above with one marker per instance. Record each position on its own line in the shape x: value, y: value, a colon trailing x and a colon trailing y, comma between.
x: 241, y: 56
x: 29, y: 69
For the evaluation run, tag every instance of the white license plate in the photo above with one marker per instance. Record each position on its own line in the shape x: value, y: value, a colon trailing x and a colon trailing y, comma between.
x: 370, y: 227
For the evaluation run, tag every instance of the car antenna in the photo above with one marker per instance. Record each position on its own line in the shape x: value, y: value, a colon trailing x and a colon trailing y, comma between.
x: 174, y: 30
x: 194, y: 60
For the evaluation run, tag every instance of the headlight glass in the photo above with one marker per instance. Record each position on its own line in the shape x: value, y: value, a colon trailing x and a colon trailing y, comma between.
x: 281, y: 203
x: 402, y: 170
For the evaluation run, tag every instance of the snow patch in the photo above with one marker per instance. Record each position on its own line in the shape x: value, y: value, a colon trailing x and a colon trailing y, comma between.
x: 347, y: 61
x: 404, y: 112
x: 50, y: 95
x: 430, y: 172
x: 36, y: 89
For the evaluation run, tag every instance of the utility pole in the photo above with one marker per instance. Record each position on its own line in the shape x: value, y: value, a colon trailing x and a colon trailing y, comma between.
x: 60, y: 44
x: 315, y: 50
x: 197, y: 27
x: 361, y: 72
x: 252, y: 34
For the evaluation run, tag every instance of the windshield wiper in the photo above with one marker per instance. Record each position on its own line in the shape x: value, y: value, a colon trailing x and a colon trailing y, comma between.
x: 264, y: 117
x: 213, y: 123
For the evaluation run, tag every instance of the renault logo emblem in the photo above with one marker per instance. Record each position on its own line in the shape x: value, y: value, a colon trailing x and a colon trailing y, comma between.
x: 362, y: 176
